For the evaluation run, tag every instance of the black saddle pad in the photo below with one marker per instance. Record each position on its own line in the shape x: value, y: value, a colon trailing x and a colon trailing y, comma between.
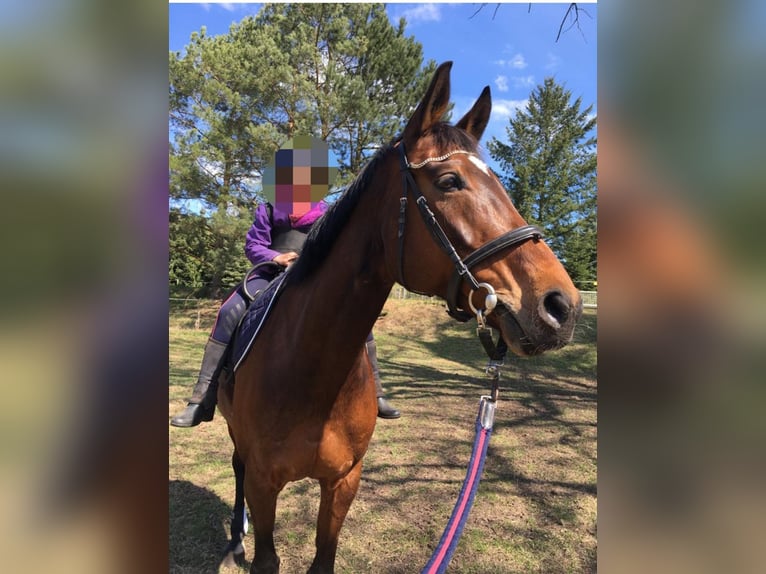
x: 255, y: 317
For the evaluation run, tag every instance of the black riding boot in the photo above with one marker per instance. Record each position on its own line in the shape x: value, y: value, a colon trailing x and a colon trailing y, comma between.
x: 385, y: 410
x: 201, y: 405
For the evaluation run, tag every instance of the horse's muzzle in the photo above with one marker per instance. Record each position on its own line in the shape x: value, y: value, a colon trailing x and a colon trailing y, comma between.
x: 552, y: 326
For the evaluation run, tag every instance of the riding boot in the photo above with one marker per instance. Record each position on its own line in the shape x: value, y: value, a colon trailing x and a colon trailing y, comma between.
x: 385, y: 410
x: 202, y: 403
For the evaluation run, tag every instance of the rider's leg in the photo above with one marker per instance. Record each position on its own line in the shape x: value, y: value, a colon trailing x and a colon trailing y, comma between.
x: 201, y: 406
x: 385, y: 410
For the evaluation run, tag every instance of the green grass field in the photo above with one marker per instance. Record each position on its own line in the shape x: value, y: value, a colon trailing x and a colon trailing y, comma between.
x: 535, y: 510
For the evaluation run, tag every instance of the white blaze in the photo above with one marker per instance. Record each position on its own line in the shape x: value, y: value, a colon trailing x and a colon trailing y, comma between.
x: 478, y: 163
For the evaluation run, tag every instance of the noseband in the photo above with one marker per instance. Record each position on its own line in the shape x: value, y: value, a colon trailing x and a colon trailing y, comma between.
x: 462, y: 266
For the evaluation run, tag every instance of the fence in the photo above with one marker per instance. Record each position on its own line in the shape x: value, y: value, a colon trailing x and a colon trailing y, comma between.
x: 589, y: 298
x: 399, y: 292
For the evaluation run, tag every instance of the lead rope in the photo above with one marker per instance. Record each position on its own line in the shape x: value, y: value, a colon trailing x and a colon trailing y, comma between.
x: 485, y: 418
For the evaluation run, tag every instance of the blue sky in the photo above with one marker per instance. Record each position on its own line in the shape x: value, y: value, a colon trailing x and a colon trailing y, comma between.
x: 512, y: 52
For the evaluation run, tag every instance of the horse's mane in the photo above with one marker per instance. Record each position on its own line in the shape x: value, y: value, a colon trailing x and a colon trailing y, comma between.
x: 323, y: 233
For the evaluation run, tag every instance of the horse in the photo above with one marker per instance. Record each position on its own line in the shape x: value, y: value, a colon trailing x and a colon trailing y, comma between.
x: 424, y: 210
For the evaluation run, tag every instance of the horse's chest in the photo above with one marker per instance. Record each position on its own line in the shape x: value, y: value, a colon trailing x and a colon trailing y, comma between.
x: 320, y: 451
x: 336, y: 454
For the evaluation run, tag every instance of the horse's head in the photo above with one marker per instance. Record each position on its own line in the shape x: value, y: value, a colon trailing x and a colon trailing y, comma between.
x: 442, y: 174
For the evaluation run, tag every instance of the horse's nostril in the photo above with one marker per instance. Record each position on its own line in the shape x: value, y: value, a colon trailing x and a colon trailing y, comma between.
x: 556, y: 305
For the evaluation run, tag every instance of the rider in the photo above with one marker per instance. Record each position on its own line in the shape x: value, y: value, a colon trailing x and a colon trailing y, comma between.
x: 276, y: 236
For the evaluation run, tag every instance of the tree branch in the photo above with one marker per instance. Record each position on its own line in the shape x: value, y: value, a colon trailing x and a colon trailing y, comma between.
x: 575, y: 10
x: 479, y: 9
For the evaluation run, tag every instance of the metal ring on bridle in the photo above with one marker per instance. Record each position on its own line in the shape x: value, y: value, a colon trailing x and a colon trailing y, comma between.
x: 490, y: 301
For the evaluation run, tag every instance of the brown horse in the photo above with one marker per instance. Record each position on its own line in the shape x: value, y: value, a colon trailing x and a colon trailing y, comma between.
x: 304, y: 400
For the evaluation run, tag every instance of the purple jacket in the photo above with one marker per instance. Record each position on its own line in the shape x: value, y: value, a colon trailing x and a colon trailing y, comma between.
x: 259, y: 238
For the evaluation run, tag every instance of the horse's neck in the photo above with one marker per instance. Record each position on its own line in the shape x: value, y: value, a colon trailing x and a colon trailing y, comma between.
x: 339, y: 304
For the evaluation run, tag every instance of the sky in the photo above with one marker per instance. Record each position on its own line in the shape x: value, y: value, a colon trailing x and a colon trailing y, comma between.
x: 511, y: 49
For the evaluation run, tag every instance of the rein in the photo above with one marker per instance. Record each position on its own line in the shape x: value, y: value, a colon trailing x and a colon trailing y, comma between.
x: 496, y: 352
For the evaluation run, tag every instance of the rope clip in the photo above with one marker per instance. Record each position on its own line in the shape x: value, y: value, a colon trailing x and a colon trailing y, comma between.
x: 493, y: 369
x: 487, y: 407
x: 493, y: 372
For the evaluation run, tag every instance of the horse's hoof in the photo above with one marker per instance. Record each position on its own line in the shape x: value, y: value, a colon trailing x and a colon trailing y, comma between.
x: 321, y: 569
x: 234, y: 556
x: 266, y: 567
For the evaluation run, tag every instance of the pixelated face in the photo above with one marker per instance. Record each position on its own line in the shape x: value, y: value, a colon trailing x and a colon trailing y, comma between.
x: 300, y: 176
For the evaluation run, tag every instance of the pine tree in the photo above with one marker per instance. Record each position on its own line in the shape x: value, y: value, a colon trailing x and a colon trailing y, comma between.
x: 549, y: 169
x: 339, y: 72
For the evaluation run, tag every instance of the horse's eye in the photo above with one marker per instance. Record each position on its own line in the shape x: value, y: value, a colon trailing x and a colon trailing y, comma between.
x: 449, y: 181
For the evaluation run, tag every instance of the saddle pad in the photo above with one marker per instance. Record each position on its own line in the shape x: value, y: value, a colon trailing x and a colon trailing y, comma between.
x: 254, y: 318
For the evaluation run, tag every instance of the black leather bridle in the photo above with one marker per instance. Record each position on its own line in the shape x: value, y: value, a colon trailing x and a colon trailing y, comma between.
x: 462, y: 266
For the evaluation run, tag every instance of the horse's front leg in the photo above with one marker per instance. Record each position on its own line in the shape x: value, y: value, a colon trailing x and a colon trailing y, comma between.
x: 337, y: 497
x: 262, y: 499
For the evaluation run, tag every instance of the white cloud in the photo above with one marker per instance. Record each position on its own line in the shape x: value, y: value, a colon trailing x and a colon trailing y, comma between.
x: 505, y: 109
x: 228, y: 6
x: 423, y: 13
x: 502, y: 83
x: 518, y: 62
x: 502, y: 112
x: 553, y: 61
x: 240, y: 7
x: 523, y: 81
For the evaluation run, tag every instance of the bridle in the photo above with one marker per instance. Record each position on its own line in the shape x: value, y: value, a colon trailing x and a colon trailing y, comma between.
x: 462, y: 266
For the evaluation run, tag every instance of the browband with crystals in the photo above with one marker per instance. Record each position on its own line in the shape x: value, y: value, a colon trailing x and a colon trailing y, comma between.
x: 440, y: 158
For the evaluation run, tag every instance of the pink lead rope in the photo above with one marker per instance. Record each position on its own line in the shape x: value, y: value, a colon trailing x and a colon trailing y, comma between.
x: 449, y: 540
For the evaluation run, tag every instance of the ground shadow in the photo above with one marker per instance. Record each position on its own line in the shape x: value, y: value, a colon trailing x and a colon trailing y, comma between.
x: 198, y: 536
x: 537, y: 395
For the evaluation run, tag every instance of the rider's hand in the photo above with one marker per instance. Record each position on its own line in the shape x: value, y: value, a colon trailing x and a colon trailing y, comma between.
x: 285, y: 259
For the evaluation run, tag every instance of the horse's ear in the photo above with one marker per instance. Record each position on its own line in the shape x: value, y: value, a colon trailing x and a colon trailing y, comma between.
x: 475, y: 121
x: 433, y: 105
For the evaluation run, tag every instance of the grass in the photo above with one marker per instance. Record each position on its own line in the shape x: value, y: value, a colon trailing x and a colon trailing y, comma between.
x: 535, y: 510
